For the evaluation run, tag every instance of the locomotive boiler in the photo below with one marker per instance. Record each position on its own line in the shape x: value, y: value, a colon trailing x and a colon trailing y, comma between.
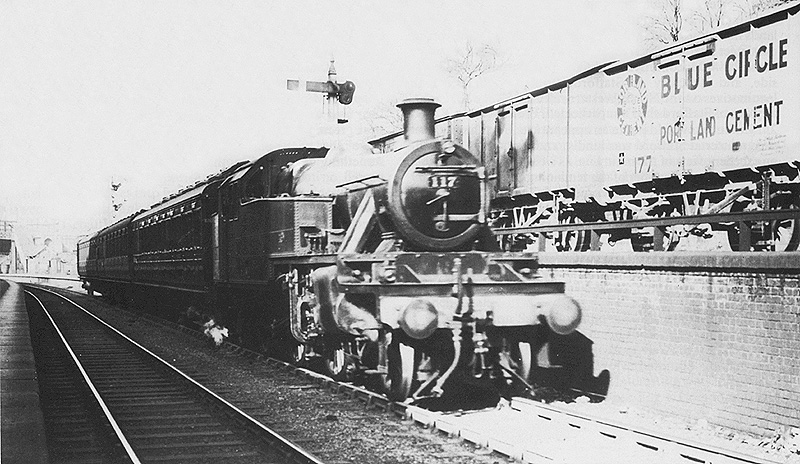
x: 377, y: 267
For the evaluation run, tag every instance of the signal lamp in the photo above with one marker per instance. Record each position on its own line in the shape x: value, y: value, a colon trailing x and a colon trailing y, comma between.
x: 346, y: 91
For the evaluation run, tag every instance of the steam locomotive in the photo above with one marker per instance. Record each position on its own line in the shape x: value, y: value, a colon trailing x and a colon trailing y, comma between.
x: 704, y: 127
x: 378, y: 266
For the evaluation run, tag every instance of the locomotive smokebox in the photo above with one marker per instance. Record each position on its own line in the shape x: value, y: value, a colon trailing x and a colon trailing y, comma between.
x: 418, y: 120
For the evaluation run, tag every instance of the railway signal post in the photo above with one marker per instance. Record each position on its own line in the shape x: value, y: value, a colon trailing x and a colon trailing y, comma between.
x: 336, y: 93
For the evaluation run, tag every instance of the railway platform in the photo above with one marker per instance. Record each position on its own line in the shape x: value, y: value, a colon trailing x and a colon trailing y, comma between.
x: 22, y: 439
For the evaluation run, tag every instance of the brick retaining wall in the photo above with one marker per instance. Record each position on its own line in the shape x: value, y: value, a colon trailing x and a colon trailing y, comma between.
x: 693, y: 340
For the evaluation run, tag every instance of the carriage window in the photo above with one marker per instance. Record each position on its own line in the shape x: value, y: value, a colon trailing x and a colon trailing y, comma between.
x: 256, y: 186
x: 284, y: 180
x: 228, y: 203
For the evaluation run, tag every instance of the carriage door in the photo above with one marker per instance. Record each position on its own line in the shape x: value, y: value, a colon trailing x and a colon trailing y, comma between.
x: 488, y: 149
x: 215, y: 246
x: 522, y: 147
x: 505, y: 153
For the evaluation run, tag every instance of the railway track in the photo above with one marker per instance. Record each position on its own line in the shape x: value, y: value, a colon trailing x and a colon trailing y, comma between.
x: 520, y: 430
x: 528, y: 431
x: 107, y: 399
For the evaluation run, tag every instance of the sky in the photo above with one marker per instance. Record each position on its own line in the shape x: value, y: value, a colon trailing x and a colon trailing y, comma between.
x: 159, y: 94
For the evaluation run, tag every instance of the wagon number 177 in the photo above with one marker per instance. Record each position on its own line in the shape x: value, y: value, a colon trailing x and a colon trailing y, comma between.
x: 642, y: 164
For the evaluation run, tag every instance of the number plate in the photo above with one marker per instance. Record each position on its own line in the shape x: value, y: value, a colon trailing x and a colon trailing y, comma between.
x: 442, y: 181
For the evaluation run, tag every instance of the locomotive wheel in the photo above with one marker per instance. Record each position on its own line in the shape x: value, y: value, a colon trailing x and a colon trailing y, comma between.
x: 299, y: 354
x: 784, y: 234
x: 335, y: 363
x: 525, y: 360
x: 402, y: 371
x: 518, y: 357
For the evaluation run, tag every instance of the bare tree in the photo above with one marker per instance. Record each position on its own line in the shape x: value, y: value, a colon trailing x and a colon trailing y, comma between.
x: 713, y: 14
x: 710, y: 15
x: 470, y: 63
x: 756, y: 7
x: 384, y: 118
x: 665, y: 26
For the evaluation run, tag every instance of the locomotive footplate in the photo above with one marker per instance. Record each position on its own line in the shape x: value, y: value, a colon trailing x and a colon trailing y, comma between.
x: 420, y: 292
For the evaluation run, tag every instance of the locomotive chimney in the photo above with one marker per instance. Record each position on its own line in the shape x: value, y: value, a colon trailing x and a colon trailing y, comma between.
x: 418, y: 120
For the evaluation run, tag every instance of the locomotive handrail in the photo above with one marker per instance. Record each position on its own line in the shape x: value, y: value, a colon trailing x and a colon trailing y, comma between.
x: 437, y: 169
x: 362, y: 181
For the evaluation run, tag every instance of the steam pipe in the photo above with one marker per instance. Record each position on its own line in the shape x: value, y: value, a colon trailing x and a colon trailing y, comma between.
x: 437, y: 389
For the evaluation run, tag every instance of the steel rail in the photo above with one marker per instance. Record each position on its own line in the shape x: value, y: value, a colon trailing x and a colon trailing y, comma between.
x: 299, y: 454
x: 352, y: 391
x: 115, y: 426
